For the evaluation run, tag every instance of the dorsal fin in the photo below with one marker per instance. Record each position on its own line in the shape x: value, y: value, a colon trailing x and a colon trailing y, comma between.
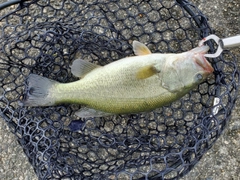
x: 140, y: 49
x: 146, y: 72
x: 79, y: 67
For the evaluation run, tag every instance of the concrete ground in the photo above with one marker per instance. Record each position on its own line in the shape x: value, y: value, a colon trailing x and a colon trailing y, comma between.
x: 221, y: 162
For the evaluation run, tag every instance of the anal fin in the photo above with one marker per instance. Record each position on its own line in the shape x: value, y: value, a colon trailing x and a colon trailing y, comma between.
x: 88, y: 112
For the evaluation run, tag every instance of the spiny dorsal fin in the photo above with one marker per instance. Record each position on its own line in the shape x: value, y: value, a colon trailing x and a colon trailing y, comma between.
x: 146, y: 72
x: 140, y: 49
x: 79, y: 67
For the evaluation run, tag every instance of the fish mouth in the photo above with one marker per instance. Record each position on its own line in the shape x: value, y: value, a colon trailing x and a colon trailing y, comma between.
x: 201, y: 61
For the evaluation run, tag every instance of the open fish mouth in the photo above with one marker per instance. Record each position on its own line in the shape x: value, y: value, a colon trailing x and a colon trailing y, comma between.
x: 203, y: 63
x: 200, y: 60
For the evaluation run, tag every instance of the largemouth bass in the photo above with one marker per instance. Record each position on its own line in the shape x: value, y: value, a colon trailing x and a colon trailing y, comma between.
x: 130, y: 85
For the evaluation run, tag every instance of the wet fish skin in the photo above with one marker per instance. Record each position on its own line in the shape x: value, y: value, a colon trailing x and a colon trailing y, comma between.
x: 130, y: 85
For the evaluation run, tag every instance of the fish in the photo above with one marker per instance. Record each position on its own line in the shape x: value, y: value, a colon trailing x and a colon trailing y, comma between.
x: 134, y: 84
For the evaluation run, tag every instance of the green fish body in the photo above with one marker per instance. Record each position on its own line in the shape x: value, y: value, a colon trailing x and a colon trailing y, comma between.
x: 130, y: 85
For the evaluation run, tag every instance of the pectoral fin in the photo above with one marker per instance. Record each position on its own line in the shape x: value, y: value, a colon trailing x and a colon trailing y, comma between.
x: 140, y: 49
x: 146, y: 72
x: 79, y: 67
x: 88, y: 112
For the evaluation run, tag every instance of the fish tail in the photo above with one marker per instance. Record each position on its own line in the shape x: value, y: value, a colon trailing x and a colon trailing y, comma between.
x: 39, y: 91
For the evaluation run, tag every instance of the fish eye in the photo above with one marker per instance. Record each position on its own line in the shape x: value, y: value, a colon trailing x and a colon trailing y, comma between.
x: 199, y: 76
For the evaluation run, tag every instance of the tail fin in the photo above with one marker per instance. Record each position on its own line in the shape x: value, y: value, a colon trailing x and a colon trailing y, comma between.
x: 39, y: 91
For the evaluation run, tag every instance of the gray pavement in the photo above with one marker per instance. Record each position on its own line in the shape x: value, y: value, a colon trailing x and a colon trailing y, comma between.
x: 221, y: 162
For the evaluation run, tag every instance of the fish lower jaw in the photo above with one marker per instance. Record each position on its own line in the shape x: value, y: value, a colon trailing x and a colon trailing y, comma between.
x: 202, y: 63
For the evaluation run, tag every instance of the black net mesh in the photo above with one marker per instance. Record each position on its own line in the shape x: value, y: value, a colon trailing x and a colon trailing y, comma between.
x: 45, y: 36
